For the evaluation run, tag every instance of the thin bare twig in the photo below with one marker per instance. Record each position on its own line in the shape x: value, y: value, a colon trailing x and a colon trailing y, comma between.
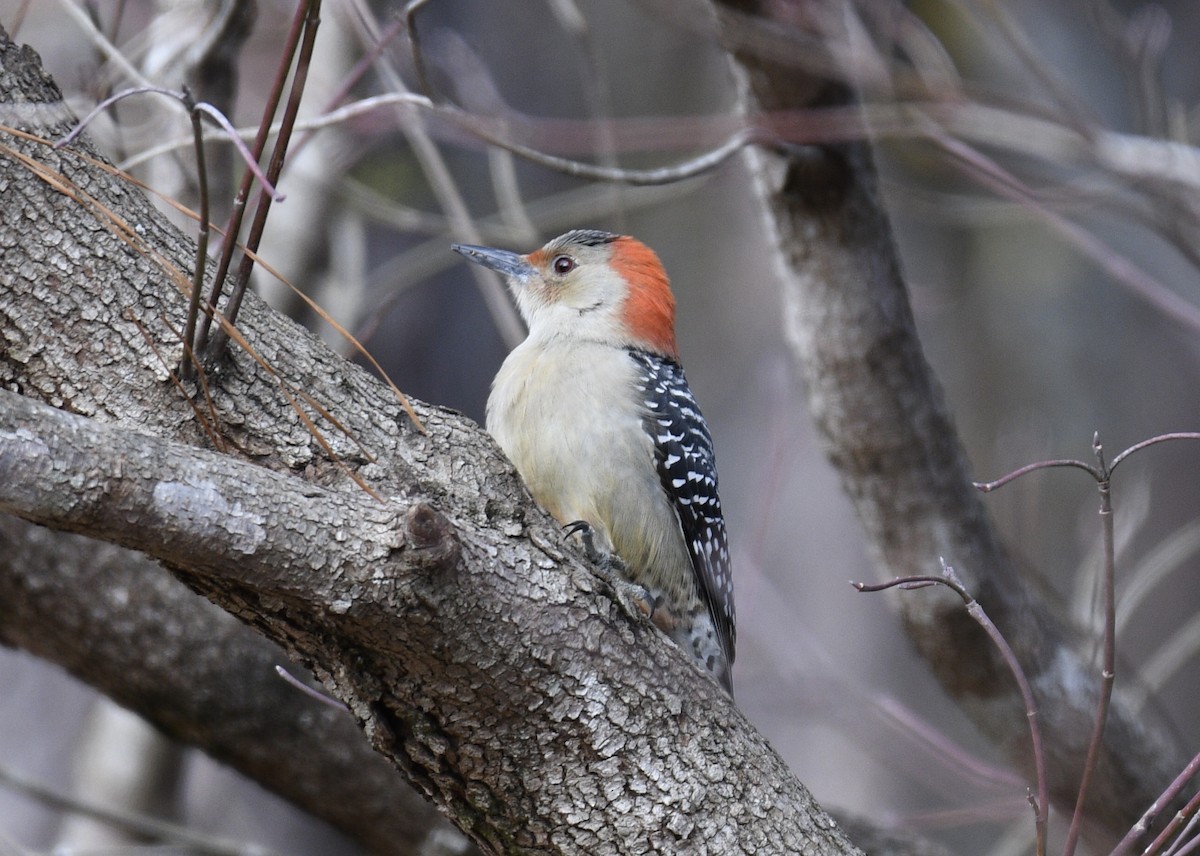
x: 1102, y: 472
x: 1097, y: 474
x: 311, y: 692
x: 488, y: 130
x: 267, y: 184
x: 1161, y: 438
x: 187, y: 360
x: 1188, y: 841
x: 233, y: 226
x: 195, y: 111
x: 110, y: 101
x: 346, y: 87
x: 312, y: 20
x: 408, y: 16
x: 193, y: 107
x: 1108, y: 667
x: 1168, y: 796
x: 1182, y: 817
x: 312, y: 123
x: 1041, y: 804
x: 689, y: 168
x: 136, y: 824
x: 988, y: 487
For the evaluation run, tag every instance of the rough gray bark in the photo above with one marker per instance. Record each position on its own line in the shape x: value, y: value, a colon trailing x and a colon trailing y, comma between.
x: 113, y: 618
x: 887, y: 430
x: 476, y: 651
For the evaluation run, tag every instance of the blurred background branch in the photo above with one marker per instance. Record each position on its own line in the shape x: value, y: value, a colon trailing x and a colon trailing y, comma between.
x: 1038, y: 165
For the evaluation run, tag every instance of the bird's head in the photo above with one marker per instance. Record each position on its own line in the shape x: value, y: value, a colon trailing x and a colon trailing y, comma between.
x: 589, y: 285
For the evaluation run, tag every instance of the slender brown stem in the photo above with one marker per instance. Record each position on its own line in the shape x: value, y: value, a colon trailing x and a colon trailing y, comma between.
x: 1108, y: 668
x: 356, y: 74
x: 1041, y: 806
x: 312, y: 20
x: 409, y: 16
x: 1178, y: 435
x: 1144, y: 823
x: 1177, y: 822
x: 1102, y: 472
x: 233, y: 226
x: 196, y: 111
x: 988, y: 487
x: 186, y: 361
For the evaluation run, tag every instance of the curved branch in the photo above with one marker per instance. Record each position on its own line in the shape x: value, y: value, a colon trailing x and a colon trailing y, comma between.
x: 476, y: 651
x: 197, y: 510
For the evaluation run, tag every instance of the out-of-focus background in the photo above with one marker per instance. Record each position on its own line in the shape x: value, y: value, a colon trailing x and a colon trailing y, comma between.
x: 1066, y: 306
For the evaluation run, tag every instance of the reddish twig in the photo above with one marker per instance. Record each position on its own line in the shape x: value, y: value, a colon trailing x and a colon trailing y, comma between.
x: 1097, y: 474
x: 186, y: 361
x: 347, y: 85
x: 1144, y: 823
x: 195, y: 110
x: 233, y: 226
x: 988, y: 487
x: 1161, y: 438
x: 312, y: 20
x: 1102, y: 473
x: 1183, y: 816
x: 408, y: 16
x: 311, y: 692
x: 1041, y: 804
x: 1108, y: 668
x: 191, y: 106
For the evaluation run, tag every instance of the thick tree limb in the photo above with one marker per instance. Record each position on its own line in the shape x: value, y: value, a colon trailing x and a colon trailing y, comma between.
x: 113, y: 618
x: 476, y: 652
x: 887, y: 430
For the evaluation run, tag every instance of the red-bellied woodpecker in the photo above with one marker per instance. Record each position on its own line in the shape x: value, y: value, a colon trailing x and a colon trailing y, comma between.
x: 595, y: 412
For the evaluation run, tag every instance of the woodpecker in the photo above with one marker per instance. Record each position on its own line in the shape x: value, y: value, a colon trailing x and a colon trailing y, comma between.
x: 595, y: 412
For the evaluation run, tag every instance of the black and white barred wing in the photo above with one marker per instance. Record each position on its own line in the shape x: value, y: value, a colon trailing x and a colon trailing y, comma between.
x: 687, y: 469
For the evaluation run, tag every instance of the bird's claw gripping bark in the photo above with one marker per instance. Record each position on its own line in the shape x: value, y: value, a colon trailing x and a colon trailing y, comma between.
x: 635, y: 599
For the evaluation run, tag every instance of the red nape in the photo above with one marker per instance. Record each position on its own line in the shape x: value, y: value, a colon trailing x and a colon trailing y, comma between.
x: 649, y: 311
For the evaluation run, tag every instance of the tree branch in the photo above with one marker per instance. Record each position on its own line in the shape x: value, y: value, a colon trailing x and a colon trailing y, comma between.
x: 97, y: 610
x: 887, y: 430
x: 477, y: 652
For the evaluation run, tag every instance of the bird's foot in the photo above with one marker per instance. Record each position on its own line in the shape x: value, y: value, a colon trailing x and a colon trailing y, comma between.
x: 635, y: 599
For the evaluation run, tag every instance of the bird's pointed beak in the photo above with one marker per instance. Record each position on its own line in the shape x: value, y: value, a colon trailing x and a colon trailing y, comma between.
x: 503, y: 262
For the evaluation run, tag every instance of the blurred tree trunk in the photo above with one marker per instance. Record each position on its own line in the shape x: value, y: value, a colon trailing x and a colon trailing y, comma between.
x: 472, y: 645
x: 887, y: 430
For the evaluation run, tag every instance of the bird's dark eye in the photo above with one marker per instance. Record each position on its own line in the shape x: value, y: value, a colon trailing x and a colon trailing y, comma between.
x: 564, y: 265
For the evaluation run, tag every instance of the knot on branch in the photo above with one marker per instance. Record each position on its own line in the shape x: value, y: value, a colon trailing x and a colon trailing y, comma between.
x: 818, y: 179
x: 431, y: 536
